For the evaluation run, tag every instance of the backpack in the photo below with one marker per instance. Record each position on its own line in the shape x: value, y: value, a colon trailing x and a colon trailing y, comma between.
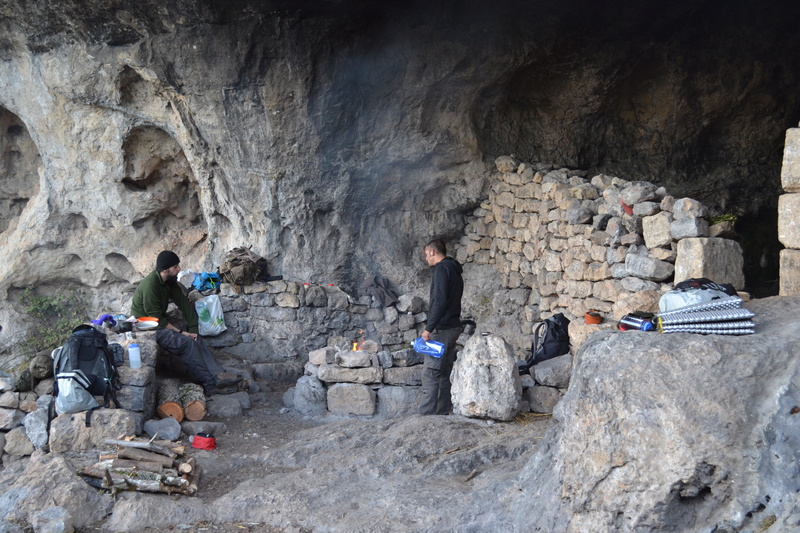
x: 84, y: 367
x: 243, y: 267
x: 550, y: 339
x: 205, y: 281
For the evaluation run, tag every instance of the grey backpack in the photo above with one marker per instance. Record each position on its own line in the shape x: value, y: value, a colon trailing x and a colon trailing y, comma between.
x: 84, y: 367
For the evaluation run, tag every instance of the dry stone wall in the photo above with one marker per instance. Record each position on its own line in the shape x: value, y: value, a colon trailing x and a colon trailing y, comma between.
x: 789, y: 215
x: 573, y: 244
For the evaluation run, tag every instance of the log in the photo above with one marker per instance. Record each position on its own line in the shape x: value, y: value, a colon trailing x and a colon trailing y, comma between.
x: 145, y: 456
x: 193, y: 401
x: 150, y: 447
x: 170, y: 445
x: 169, y: 402
x: 144, y: 483
x: 141, y: 465
x: 188, y: 466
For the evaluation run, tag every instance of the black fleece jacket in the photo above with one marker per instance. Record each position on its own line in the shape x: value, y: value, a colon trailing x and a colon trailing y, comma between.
x: 445, y: 299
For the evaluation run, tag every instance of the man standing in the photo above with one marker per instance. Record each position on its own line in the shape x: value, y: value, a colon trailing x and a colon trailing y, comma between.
x: 444, y: 325
x: 152, y: 297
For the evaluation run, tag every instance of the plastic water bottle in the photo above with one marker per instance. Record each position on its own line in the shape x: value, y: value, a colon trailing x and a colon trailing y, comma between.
x: 134, y: 356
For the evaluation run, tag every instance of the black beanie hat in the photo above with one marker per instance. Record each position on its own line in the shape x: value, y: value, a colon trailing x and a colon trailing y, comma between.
x: 166, y: 259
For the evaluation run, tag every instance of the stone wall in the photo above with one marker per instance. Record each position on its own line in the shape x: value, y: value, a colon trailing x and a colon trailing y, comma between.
x: 563, y: 243
x: 789, y: 215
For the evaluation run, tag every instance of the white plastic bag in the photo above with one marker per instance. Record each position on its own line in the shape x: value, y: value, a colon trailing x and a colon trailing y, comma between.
x: 186, y: 278
x: 210, y: 320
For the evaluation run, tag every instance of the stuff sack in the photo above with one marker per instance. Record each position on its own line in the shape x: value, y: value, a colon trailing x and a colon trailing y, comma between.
x: 84, y: 368
x: 694, y: 291
x: 243, y: 267
x: 550, y: 339
x: 210, y: 320
x: 205, y: 281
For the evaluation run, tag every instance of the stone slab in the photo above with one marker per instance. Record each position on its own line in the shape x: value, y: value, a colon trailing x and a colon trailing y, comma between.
x: 719, y: 260
x: 351, y: 399
x: 790, y: 273
x: 789, y: 220
x: 790, y: 169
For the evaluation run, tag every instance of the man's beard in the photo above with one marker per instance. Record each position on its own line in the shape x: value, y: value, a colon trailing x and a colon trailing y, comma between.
x: 172, y: 279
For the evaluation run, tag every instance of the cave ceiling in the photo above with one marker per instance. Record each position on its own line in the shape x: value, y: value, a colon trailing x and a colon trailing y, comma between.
x: 340, y: 135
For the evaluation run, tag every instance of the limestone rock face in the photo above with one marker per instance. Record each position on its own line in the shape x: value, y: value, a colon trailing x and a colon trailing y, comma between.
x: 35, y: 492
x: 704, y: 425
x: 485, y: 380
x: 337, y: 139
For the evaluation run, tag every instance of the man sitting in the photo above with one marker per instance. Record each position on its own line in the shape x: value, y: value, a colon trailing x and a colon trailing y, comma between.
x: 152, y: 297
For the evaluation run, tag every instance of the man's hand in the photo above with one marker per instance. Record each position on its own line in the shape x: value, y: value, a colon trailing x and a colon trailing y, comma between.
x: 426, y: 336
x: 192, y: 336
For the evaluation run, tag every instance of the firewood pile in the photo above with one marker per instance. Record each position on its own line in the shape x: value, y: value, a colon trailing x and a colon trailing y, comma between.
x: 145, y: 466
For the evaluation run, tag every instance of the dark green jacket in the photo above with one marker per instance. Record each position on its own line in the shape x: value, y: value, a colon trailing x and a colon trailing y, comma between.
x: 152, y: 297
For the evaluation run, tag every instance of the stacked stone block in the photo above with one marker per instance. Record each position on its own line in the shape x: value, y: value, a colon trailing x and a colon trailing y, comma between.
x: 789, y: 215
x: 369, y: 381
x: 273, y: 325
x: 585, y: 244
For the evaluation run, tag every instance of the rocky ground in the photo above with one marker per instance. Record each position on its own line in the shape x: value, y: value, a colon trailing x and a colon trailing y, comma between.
x: 277, y: 471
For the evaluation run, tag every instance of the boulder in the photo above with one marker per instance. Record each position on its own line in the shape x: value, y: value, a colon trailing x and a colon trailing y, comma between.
x: 203, y: 426
x: 309, y: 396
x: 45, y: 386
x: 9, y: 400
x: 18, y: 443
x: 554, y: 372
x: 485, y: 380
x: 36, y: 427
x: 654, y: 423
x: 163, y: 428
x: 53, y: 520
x: 10, y: 418
x: 49, y: 481
x: 398, y: 401
x: 351, y: 399
x: 223, y: 406
x: 542, y: 399
x: 69, y: 432
x: 719, y: 260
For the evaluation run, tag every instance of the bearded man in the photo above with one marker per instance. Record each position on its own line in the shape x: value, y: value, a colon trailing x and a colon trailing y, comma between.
x: 152, y: 296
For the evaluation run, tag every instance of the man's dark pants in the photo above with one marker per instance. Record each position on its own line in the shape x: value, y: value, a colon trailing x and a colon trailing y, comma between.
x: 436, y: 374
x: 194, y: 354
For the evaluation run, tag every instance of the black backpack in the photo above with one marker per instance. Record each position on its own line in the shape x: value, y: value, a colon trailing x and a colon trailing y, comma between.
x: 84, y: 367
x: 550, y: 339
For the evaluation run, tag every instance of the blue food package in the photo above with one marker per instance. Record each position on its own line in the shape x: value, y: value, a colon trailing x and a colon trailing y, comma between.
x: 432, y: 348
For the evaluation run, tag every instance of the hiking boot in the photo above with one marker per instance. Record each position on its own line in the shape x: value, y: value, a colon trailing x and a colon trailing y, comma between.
x: 211, y: 390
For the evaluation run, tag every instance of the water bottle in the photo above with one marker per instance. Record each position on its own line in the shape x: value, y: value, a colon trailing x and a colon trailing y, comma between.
x: 134, y: 356
x: 629, y: 322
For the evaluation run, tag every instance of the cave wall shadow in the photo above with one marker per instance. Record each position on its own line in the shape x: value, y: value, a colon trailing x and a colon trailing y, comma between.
x: 664, y: 96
